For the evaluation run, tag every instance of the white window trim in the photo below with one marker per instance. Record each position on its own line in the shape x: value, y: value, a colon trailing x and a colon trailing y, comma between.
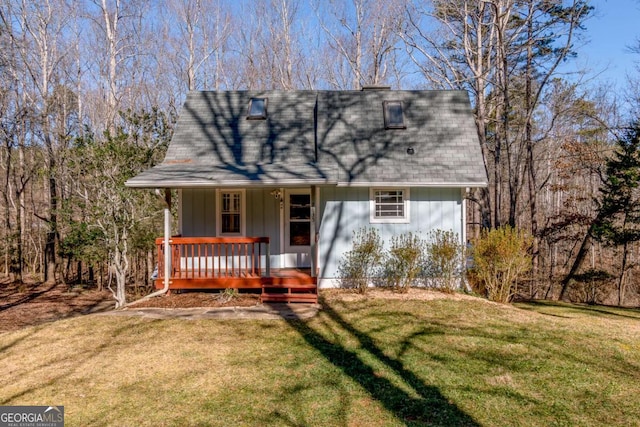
x: 243, y: 211
x: 372, y: 206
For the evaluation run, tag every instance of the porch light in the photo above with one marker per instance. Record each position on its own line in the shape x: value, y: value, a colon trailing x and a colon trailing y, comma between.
x: 277, y: 194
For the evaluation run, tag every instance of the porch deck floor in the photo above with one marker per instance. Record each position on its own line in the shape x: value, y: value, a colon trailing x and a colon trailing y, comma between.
x: 300, y: 273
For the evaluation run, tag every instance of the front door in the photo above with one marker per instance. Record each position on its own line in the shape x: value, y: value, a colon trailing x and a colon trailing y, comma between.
x: 297, y: 228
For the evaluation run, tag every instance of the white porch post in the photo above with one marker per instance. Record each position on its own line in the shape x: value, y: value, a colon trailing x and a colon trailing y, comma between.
x: 281, y: 256
x: 312, y: 232
x: 167, y: 237
x: 463, y: 231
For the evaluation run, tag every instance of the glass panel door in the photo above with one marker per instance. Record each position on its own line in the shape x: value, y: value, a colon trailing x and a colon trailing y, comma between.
x: 297, y: 228
x: 299, y: 216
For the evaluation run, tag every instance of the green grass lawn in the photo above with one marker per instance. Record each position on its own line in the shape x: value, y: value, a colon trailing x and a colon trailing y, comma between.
x: 359, y: 363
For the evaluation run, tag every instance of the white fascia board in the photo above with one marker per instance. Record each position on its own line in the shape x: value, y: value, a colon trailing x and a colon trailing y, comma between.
x: 388, y: 184
x: 225, y: 184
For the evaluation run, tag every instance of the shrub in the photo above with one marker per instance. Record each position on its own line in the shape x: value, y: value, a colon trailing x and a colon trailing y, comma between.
x: 405, y: 261
x: 361, y: 264
x: 500, y: 257
x: 445, y: 257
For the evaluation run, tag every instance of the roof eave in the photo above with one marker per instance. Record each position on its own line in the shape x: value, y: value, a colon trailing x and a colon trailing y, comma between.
x: 215, y: 184
x: 136, y: 183
x: 461, y: 184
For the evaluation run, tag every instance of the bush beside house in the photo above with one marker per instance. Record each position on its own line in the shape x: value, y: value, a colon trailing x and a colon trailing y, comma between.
x: 409, y: 261
x: 500, y: 258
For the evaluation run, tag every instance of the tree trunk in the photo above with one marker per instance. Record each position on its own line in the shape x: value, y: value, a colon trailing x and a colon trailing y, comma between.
x: 8, y: 261
x: 582, y: 253
x: 52, y: 234
x: 623, y: 271
x: 535, y: 251
x: 50, y: 258
x: 120, y: 268
x: 91, y: 279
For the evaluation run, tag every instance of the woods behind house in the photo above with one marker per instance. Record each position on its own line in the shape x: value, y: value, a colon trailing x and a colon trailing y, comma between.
x: 90, y: 91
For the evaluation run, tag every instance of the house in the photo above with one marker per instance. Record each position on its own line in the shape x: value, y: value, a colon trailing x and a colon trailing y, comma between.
x: 272, y: 184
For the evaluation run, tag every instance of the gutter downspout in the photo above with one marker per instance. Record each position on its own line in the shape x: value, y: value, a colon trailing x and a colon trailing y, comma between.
x: 465, y: 282
x: 167, y: 249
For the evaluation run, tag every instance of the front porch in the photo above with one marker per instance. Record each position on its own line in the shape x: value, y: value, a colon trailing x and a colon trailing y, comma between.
x: 205, y: 263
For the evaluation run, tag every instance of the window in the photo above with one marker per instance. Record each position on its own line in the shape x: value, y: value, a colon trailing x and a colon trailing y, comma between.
x: 231, y: 216
x: 257, y: 109
x: 390, y: 205
x: 393, y: 115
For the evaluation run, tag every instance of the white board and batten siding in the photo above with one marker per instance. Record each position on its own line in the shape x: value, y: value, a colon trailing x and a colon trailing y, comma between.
x: 198, y: 216
x: 345, y: 210
x: 341, y: 211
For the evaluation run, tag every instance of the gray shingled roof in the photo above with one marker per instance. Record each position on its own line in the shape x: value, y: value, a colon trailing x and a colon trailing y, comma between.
x: 321, y: 137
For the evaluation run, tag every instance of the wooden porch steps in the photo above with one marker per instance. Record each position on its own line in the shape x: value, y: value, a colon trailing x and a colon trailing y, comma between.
x: 290, y: 292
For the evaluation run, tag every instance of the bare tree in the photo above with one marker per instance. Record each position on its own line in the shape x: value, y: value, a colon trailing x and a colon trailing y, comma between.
x: 118, y: 57
x: 505, y: 52
x: 195, y: 34
x: 460, y: 54
x: 275, y: 49
x: 364, y: 34
x: 38, y: 33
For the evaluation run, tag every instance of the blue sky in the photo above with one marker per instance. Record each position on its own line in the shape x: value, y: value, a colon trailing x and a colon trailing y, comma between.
x: 614, y: 27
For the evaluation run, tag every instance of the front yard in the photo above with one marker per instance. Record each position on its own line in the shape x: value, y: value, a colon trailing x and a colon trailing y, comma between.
x: 373, y: 361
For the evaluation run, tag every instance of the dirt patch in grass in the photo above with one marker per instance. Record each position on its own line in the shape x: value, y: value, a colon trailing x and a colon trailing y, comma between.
x: 28, y: 304
x: 33, y: 303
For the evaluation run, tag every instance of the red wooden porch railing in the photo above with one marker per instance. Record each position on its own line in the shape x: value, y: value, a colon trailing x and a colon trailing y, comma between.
x: 210, y: 258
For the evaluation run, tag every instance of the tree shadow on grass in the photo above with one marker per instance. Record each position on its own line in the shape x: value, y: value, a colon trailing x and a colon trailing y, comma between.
x: 426, y: 406
x: 569, y: 308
